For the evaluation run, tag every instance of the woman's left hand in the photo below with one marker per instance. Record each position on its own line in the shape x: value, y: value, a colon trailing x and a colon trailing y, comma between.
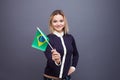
x: 71, y: 70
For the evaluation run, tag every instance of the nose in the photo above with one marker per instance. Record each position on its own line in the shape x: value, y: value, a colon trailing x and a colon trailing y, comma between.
x: 59, y: 23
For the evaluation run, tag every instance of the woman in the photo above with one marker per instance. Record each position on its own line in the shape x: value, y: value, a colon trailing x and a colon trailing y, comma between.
x: 63, y: 59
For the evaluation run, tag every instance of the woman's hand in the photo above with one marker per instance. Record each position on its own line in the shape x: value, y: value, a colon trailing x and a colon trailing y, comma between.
x: 56, y: 56
x: 71, y: 70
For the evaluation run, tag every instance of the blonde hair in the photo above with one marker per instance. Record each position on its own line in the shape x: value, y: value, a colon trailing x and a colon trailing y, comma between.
x: 60, y: 12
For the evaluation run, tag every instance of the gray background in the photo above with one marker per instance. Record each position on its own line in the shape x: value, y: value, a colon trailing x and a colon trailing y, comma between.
x: 93, y: 23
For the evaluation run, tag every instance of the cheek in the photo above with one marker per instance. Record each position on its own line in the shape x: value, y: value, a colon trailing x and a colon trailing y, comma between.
x: 63, y: 23
x: 54, y: 24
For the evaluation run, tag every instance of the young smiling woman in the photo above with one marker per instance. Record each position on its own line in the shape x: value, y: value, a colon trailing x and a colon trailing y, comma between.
x: 63, y: 59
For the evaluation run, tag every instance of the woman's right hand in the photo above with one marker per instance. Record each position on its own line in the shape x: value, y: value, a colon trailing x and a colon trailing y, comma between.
x: 56, y: 56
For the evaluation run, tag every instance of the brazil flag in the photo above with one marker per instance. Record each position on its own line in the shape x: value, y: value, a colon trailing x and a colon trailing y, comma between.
x: 39, y: 41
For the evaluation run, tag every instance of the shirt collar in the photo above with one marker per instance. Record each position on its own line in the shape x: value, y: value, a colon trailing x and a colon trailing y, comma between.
x: 58, y: 34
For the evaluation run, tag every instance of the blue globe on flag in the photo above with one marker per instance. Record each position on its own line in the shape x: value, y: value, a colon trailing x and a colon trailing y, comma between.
x: 41, y: 39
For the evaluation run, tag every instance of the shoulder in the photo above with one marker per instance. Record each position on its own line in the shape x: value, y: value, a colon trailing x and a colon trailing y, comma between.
x: 69, y: 35
x: 50, y: 35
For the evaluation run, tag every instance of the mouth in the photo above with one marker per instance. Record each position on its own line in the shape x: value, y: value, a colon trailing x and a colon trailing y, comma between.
x: 60, y: 26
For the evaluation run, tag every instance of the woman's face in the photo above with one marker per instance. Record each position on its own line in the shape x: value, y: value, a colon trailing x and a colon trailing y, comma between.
x: 58, y: 23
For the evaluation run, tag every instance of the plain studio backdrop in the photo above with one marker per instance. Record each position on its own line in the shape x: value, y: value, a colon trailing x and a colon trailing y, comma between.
x: 95, y: 25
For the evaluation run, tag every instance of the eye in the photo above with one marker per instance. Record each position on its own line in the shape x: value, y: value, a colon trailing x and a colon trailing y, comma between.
x: 54, y: 21
x: 61, y: 20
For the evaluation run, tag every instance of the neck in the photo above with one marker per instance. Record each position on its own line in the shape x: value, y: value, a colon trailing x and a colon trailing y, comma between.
x: 59, y: 34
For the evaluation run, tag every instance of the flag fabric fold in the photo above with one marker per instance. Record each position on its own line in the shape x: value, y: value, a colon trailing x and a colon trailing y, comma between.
x: 40, y: 41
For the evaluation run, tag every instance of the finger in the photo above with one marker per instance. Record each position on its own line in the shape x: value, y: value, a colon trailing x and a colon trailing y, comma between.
x: 53, y: 50
x: 55, y: 53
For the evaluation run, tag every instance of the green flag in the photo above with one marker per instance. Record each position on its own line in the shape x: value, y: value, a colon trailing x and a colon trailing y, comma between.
x: 40, y: 41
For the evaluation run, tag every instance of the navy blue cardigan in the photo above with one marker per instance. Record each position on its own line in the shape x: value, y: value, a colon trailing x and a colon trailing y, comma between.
x: 71, y: 57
